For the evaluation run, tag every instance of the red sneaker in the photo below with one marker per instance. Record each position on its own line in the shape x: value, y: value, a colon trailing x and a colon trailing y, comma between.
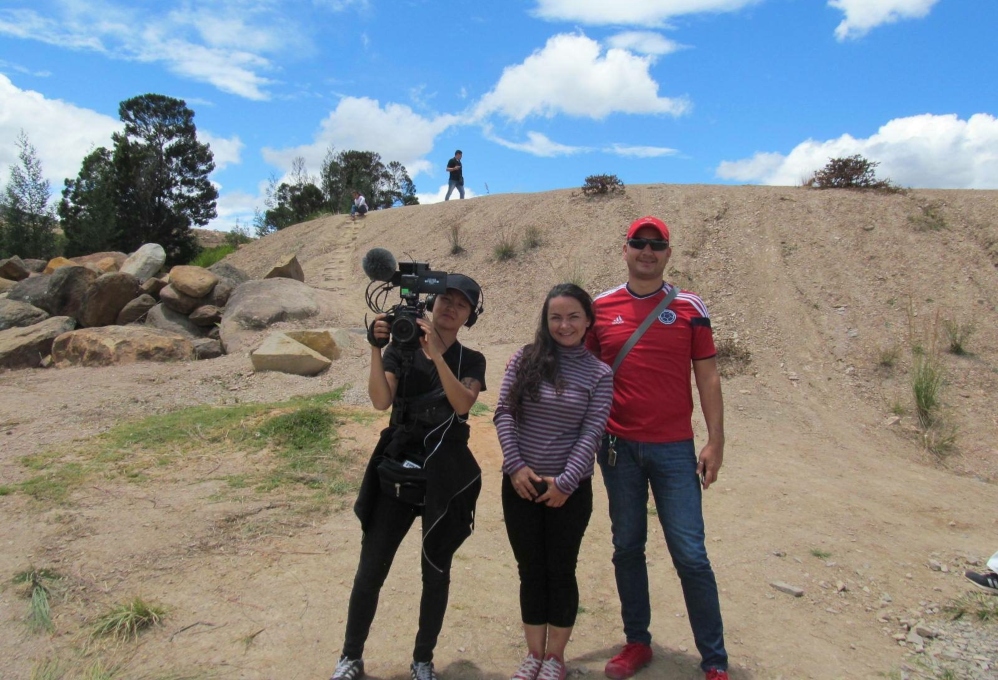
x: 632, y: 658
x: 714, y: 674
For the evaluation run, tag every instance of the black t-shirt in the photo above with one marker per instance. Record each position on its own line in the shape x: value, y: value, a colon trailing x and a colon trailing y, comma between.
x: 423, y: 378
x: 456, y: 175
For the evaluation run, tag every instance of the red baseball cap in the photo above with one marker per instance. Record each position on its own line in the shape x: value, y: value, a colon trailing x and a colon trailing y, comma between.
x: 649, y: 221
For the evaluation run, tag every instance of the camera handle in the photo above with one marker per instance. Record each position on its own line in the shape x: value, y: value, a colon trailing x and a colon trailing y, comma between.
x: 374, y: 342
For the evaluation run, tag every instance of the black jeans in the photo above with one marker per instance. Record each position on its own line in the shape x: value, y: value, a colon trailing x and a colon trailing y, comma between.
x: 390, y: 522
x: 546, y: 544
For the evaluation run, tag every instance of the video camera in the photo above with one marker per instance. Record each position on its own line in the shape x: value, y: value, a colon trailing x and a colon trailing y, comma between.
x: 412, y: 279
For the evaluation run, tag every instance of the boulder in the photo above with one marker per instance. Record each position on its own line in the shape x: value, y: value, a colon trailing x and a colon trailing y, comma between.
x: 14, y: 269
x: 256, y: 305
x: 135, y: 310
x: 220, y: 293
x: 153, y: 285
x: 177, y: 301
x: 119, y: 345
x: 281, y: 353
x: 206, y: 315
x: 106, y: 297
x: 145, y: 262
x: 59, y: 293
x: 328, y: 341
x: 57, y: 263
x: 34, y: 265
x: 105, y: 262
x: 166, y: 319
x: 15, y: 314
x: 206, y: 348
x: 6, y: 285
x: 287, y: 268
x: 196, y: 282
x: 27, y: 346
x: 227, y: 272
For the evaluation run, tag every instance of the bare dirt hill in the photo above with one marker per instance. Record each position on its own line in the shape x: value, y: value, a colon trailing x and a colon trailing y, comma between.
x: 831, y: 296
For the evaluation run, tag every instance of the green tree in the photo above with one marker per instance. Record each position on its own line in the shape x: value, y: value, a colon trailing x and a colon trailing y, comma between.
x: 88, y: 210
x: 295, y: 201
x: 383, y: 186
x: 28, y: 223
x: 161, y: 172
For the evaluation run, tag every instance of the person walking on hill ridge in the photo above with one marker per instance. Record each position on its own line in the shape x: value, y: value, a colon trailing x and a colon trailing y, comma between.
x: 456, y: 170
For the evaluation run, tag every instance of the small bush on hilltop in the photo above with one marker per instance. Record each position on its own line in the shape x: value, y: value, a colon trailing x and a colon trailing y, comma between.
x: 602, y: 185
x: 854, y: 172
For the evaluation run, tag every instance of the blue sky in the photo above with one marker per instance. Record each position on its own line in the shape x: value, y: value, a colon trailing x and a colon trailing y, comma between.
x: 537, y: 93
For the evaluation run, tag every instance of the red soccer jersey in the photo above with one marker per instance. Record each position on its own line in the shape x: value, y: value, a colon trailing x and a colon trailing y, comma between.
x: 652, y: 391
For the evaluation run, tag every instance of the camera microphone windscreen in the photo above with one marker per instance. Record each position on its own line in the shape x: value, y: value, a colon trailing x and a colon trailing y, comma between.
x: 379, y: 264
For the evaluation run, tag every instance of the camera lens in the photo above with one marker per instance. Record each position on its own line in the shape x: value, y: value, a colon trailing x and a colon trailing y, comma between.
x: 404, y: 329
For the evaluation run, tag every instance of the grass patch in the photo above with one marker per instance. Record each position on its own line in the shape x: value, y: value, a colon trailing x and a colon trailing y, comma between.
x: 456, y: 247
x: 125, y: 621
x: 6, y: 490
x: 49, y: 669
x: 926, y: 382
x: 38, y: 585
x: 733, y: 358
x: 210, y: 256
x: 300, y: 433
x: 929, y: 218
x: 979, y: 606
x: 505, y: 247
x: 100, y: 671
x: 480, y: 409
x: 577, y: 274
x: 820, y: 554
x: 940, y: 438
x: 887, y: 357
x: 532, y: 238
x: 957, y: 333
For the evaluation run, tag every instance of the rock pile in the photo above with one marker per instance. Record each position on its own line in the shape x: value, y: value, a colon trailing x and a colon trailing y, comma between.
x: 109, y: 308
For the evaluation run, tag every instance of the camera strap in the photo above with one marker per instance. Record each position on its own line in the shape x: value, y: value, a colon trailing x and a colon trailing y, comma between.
x: 645, y: 325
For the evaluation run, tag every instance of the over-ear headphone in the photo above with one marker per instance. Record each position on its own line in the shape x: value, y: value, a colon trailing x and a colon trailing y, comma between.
x: 475, y: 313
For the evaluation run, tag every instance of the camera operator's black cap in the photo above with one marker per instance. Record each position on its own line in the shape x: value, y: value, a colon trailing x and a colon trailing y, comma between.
x: 467, y: 286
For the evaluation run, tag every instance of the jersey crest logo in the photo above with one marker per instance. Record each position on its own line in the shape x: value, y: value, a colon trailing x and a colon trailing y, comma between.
x: 668, y: 317
x: 619, y: 320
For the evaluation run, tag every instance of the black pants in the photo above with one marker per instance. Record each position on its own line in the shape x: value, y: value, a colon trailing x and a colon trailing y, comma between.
x: 390, y: 522
x: 546, y: 544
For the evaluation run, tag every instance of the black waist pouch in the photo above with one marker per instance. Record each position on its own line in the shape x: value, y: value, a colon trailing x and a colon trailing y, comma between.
x: 404, y: 481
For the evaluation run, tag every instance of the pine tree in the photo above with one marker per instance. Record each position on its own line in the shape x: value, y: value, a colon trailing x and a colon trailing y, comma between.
x: 28, y: 223
x: 88, y: 207
x: 161, y: 173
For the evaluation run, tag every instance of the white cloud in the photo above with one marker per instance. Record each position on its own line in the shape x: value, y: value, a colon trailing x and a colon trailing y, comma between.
x: 538, y: 144
x: 630, y: 12
x: 438, y: 195
x: 396, y: 132
x: 863, y: 15
x: 222, y: 48
x: 61, y: 133
x: 640, y: 151
x: 927, y: 151
x: 644, y: 42
x: 572, y: 75
x: 226, y: 151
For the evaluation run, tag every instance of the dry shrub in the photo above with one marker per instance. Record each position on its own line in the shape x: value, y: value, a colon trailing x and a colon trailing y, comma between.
x: 602, y: 185
x: 733, y: 357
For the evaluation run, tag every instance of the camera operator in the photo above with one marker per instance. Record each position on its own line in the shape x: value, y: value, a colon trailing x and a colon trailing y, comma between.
x: 430, y: 391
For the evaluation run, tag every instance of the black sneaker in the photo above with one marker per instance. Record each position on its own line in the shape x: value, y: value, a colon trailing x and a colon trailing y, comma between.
x: 348, y: 669
x: 422, y: 670
x: 988, y: 581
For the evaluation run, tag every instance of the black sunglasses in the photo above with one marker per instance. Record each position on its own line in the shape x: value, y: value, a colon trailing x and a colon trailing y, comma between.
x: 640, y: 243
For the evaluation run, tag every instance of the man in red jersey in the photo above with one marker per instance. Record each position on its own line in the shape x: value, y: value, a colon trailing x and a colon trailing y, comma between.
x: 649, y: 442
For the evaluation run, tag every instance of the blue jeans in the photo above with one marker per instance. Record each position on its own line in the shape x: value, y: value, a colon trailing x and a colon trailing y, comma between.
x: 670, y: 469
x: 451, y: 184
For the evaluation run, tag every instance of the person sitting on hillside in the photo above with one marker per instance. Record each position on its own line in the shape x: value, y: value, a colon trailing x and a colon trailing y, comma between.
x: 359, y: 207
x: 988, y: 580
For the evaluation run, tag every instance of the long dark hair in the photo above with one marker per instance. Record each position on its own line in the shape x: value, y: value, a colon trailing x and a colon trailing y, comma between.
x: 539, y: 361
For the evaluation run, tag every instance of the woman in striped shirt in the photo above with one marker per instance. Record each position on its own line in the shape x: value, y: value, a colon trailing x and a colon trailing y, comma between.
x: 552, y: 409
